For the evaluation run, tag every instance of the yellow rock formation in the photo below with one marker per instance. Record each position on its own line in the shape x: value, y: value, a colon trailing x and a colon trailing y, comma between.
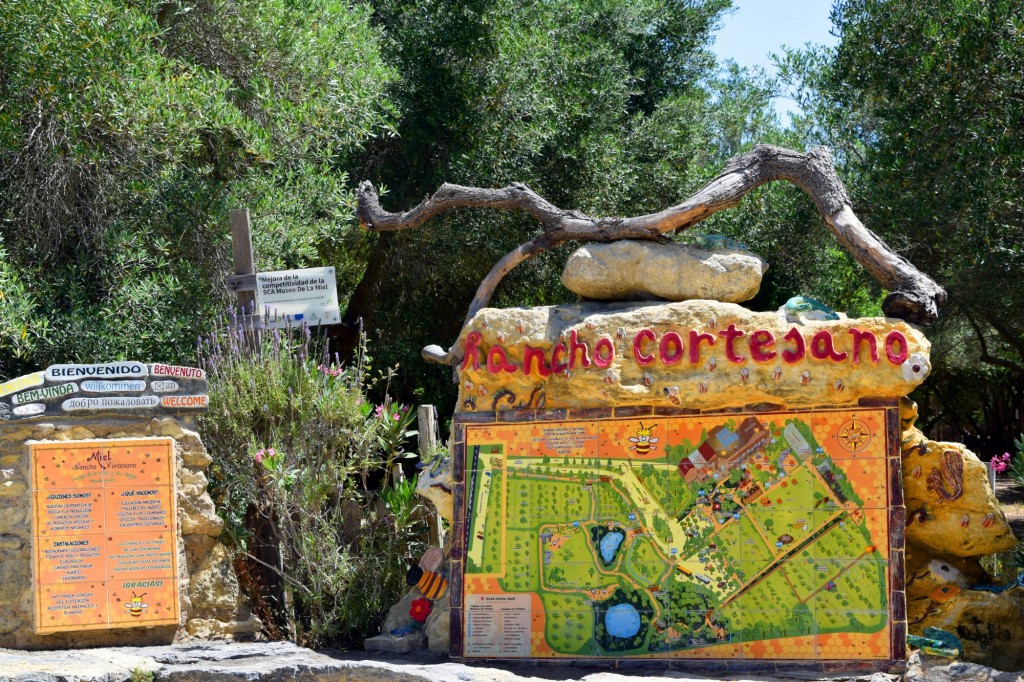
x: 989, y: 625
x: 954, y: 519
x: 951, y: 509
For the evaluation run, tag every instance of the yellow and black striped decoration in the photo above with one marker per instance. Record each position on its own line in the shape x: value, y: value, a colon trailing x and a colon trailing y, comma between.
x: 431, y: 585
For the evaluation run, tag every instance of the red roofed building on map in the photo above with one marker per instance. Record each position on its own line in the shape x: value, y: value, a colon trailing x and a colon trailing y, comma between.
x: 729, y: 447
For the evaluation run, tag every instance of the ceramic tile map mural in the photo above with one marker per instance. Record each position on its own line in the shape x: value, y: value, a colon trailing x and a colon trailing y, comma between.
x: 104, y: 536
x: 757, y: 535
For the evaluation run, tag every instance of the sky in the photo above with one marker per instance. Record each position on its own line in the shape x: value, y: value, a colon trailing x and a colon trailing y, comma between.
x: 758, y: 27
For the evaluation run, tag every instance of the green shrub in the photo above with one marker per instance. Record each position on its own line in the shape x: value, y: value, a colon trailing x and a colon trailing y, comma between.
x: 303, y: 468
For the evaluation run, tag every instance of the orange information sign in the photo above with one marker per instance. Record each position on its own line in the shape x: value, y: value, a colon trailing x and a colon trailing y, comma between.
x: 105, y: 544
x: 742, y: 536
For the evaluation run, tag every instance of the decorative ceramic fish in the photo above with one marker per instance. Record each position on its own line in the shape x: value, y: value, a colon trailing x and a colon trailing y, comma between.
x: 801, y: 308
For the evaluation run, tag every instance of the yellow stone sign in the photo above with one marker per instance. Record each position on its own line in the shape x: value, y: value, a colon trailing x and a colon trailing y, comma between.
x: 693, y: 355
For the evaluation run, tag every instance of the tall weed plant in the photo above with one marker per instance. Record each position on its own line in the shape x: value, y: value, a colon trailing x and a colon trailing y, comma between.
x: 304, y: 475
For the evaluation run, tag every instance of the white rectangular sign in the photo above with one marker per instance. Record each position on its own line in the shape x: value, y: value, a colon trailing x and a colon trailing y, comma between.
x: 111, y: 403
x: 108, y: 370
x: 294, y: 297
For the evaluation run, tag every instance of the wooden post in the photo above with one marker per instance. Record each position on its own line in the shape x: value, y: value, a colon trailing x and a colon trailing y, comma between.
x: 426, y: 415
x: 427, y: 440
x: 243, y: 257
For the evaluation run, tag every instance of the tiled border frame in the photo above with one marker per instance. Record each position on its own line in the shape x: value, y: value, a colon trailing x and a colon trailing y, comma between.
x: 897, y: 526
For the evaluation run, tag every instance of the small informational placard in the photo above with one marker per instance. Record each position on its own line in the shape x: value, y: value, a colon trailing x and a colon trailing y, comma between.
x: 105, y: 544
x: 498, y: 625
x: 294, y: 297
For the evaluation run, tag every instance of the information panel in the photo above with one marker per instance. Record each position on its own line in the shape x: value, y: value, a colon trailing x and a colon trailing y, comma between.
x: 294, y: 297
x: 739, y: 536
x: 105, y: 543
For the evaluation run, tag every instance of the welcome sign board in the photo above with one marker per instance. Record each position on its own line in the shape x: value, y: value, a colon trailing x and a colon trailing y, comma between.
x: 105, y: 541
x: 643, y: 533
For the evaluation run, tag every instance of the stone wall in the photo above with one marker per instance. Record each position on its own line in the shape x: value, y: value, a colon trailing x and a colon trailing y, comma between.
x: 211, y: 606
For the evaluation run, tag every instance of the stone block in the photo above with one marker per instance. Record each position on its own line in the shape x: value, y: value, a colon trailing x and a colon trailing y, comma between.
x: 395, y: 645
x: 11, y: 542
x: 15, y: 574
x: 199, y: 516
x: 196, y: 549
x: 196, y: 456
x: 192, y: 481
x: 640, y: 270
x: 398, y: 615
x: 13, y: 516
x: 213, y: 588
x: 12, y: 488
x: 211, y: 628
x: 952, y: 510
x: 167, y: 427
x: 74, y: 432
x: 438, y: 627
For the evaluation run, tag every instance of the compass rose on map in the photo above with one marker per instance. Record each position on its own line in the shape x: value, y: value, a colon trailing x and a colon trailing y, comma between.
x: 854, y: 435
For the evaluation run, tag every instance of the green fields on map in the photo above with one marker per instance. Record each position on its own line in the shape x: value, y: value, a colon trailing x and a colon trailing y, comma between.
x: 636, y: 557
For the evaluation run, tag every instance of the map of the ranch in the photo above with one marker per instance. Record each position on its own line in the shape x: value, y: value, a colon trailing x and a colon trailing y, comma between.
x: 727, y: 536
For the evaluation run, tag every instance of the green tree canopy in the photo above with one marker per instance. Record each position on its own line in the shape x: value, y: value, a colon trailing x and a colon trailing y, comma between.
x: 126, y: 132
x: 921, y: 100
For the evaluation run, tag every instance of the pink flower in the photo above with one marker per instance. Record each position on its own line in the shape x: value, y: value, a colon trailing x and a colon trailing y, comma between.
x: 379, y: 411
x: 396, y: 416
x: 1000, y: 463
x: 258, y: 456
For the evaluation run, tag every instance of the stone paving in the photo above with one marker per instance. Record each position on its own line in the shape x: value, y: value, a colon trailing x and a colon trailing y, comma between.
x: 279, y: 661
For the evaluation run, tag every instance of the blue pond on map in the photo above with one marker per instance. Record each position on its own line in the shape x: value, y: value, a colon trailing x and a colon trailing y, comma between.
x: 622, y: 620
x: 609, y: 544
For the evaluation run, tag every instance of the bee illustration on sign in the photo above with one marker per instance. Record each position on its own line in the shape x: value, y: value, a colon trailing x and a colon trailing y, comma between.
x: 136, y: 607
x: 643, y: 442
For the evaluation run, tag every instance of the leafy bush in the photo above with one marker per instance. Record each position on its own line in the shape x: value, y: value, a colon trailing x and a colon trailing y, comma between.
x: 303, y: 474
x: 127, y: 131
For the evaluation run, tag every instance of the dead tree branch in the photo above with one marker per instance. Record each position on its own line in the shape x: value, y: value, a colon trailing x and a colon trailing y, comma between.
x: 914, y: 296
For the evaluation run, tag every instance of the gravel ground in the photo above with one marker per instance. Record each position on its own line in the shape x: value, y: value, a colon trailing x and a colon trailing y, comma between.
x: 1011, y: 497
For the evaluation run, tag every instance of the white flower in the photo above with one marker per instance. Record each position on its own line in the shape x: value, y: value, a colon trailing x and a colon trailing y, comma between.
x: 916, y: 368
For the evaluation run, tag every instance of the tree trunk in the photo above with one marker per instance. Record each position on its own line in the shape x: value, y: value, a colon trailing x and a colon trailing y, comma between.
x: 914, y: 296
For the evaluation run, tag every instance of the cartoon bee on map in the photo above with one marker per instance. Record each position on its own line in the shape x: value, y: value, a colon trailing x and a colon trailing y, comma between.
x: 135, y: 605
x: 643, y: 442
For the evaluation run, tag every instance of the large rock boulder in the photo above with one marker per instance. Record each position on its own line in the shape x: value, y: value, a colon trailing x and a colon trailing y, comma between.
x: 943, y: 594
x: 953, y: 520
x: 951, y: 509
x: 638, y: 271
x: 438, y: 627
